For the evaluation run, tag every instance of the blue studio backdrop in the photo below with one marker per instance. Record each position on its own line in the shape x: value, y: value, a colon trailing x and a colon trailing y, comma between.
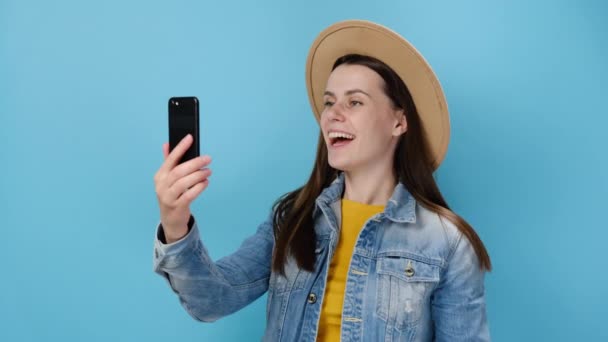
x: 83, y: 115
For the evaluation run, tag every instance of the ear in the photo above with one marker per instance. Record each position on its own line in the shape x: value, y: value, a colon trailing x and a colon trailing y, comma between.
x: 400, y: 123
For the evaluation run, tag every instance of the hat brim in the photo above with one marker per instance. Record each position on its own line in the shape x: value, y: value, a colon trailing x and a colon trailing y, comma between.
x: 368, y: 38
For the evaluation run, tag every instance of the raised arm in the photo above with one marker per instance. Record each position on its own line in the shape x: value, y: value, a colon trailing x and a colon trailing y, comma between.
x: 210, y: 290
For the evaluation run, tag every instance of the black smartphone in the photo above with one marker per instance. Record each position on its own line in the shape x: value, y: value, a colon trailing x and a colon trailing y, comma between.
x: 183, y: 120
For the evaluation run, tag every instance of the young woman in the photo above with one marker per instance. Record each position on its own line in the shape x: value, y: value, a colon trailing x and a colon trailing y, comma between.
x: 367, y: 249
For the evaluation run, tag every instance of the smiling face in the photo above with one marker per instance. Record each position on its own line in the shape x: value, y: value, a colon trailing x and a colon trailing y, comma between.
x: 360, y: 125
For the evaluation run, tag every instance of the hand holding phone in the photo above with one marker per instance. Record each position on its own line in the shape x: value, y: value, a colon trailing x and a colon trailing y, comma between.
x: 183, y: 175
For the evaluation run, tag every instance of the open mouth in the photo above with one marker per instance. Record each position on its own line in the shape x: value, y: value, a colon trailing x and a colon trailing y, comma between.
x: 338, y: 139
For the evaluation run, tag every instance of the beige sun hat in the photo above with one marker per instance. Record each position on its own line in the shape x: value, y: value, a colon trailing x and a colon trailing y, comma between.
x: 371, y: 39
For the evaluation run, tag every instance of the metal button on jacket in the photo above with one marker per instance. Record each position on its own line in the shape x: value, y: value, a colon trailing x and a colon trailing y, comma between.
x: 312, y: 298
x: 409, y: 270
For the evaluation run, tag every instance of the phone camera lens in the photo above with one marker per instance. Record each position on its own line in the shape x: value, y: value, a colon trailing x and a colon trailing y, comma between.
x: 176, y: 103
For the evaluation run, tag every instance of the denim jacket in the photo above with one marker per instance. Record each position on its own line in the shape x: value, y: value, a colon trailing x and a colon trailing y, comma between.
x: 412, y: 277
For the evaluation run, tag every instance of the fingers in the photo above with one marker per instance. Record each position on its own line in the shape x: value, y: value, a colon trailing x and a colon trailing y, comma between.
x: 165, y: 150
x: 173, y: 197
x: 184, y: 183
x: 187, y: 168
x: 181, y: 183
x: 179, y: 150
x: 191, y: 194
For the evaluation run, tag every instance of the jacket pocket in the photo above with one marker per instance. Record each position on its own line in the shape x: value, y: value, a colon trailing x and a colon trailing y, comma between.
x: 404, y: 286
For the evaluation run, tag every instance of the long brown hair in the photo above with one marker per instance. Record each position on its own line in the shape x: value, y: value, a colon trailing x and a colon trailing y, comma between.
x: 413, y: 165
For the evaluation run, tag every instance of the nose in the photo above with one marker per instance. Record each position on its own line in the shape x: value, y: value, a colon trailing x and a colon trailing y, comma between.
x: 335, y: 112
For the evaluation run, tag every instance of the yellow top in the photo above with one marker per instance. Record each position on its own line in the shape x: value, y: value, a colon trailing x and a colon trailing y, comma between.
x: 354, y: 215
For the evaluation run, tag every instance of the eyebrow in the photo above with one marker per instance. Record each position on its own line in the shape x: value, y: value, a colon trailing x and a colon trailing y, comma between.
x: 348, y: 92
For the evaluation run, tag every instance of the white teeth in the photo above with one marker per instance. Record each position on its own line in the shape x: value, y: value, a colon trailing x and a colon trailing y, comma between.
x: 341, y: 135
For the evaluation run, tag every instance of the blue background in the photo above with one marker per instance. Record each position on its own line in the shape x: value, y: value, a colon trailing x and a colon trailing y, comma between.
x: 83, y: 114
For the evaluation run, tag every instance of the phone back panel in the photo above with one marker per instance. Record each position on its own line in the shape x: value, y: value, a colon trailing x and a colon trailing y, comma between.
x: 184, y: 120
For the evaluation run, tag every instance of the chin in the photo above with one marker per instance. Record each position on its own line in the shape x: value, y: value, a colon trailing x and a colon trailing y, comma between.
x: 340, y: 166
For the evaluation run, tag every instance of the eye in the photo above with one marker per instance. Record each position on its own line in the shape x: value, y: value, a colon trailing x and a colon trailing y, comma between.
x: 328, y: 103
x: 355, y: 103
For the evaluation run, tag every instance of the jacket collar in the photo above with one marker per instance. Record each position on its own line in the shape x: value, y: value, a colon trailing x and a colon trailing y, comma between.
x: 401, y: 207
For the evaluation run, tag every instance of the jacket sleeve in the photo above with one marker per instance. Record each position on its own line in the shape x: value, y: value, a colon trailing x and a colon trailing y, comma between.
x: 210, y: 290
x: 458, y: 303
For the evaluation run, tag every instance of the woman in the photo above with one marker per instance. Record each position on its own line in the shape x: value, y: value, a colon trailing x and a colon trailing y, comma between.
x: 367, y: 249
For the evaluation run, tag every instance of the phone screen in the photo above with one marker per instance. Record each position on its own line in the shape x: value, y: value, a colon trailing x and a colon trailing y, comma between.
x: 183, y: 120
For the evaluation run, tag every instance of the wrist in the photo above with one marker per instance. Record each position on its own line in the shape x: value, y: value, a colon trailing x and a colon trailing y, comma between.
x: 170, y: 234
